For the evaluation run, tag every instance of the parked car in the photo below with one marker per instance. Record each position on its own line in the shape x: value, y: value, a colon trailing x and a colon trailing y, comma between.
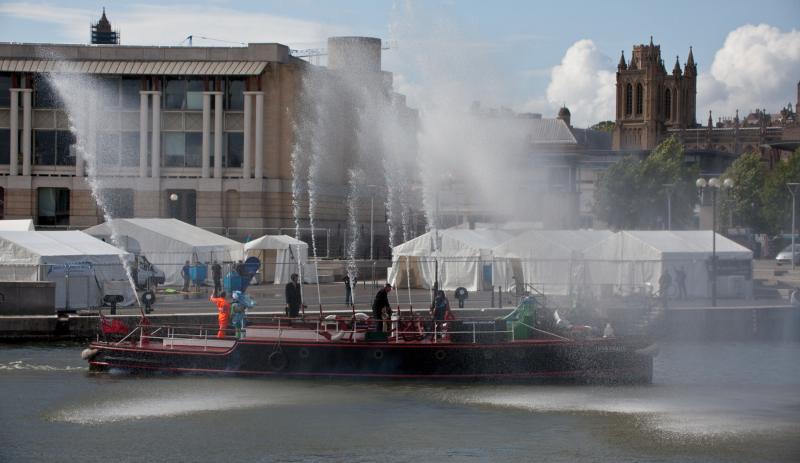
x: 785, y: 256
x: 147, y: 275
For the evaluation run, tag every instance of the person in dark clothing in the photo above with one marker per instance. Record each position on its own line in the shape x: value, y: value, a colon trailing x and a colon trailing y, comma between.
x: 294, y: 298
x: 439, y: 310
x: 185, y: 274
x: 216, y: 275
x: 381, y: 309
x: 348, y: 291
x: 664, y: 284
x: 680, y: 278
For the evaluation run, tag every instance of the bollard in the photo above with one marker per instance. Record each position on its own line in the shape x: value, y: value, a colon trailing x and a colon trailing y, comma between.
x: 500, y: 297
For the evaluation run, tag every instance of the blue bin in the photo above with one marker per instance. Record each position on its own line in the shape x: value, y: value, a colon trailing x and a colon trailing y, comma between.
x: 198, y: 274
x: 232, y: 282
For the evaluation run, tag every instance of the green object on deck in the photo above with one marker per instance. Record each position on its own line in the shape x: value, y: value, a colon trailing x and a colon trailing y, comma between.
x: 521, y: 320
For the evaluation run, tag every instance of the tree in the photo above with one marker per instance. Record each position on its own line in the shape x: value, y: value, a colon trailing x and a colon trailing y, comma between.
x: 604, y: 126
x: 631, y: 193
x: 745, y: 199
x: 775, y: 196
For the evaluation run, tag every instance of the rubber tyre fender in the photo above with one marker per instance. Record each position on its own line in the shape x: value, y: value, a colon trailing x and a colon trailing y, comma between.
x: 277, y: 361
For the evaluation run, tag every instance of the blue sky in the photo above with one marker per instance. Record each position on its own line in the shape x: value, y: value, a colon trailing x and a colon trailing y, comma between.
x: 516, y: 45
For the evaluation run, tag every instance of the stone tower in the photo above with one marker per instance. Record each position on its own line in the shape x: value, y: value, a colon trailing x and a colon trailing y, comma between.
x: 649, y: 100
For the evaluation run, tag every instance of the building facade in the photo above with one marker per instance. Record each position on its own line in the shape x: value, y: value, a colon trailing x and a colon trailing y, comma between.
x: 203, y: 134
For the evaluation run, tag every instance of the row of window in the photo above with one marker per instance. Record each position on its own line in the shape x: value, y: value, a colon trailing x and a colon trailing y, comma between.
x: 53, y: 204
x: 629, y: 95
x: 123, y: 92
x: 178, y: 149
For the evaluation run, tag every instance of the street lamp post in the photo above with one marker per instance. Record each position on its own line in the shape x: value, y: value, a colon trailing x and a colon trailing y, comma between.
x: 714, y: 184
x: 793, y: 189
x: 669, y: 187
x: 371, y: 221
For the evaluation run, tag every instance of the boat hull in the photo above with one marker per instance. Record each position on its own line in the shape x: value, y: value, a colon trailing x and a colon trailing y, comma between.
x: 590, y: 360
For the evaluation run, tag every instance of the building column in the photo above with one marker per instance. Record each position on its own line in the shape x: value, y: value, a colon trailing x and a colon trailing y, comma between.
x: 13, y: 152
x: 26, y: 131
x: 248, y: 129
x: 155, y: 163
x: 259, y: 148
x: 143, y: 96
x: 206, y: 164
x: 218, y: 134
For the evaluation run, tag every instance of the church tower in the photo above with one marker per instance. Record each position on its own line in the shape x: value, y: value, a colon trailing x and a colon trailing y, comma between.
x: 649, y: 101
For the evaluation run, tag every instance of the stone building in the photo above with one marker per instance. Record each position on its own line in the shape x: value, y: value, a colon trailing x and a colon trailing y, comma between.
x: 650, y: 101
x: 203, y: 134
x: 652, y: 105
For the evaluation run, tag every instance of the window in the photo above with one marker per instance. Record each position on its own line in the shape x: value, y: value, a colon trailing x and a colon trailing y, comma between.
x: 174, y: 149
x: 194, y: 94
x: 129, y: 92
x: 194, y: 149
x: 628, y: 99
x: 52, y: 206
x: 44, y: 95
x: 118, y: 202
x: 5, y: 145
x: 65, y: 148
x: 668, y: 104
x: 234, y: 94
x: 174, y: 93
x: 234, y: 149
x: 639, y: 97
x: 44, y: 147
x: 5, y: 95
x: 109, y: 91
x: 184, y: 205
x: 108, y: 149
x: 129, y: 149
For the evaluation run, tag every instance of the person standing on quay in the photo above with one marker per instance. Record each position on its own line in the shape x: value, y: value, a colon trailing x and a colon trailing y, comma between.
x: 294, y: 299
x: 348, y: 291
x: 216, y: 275
x: 186, y: 274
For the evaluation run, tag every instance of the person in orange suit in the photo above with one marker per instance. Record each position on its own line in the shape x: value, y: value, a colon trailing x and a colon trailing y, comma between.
x: 223, y: 312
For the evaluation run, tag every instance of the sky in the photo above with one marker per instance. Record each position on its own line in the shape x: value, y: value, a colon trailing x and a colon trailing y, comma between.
x: 525, y: 55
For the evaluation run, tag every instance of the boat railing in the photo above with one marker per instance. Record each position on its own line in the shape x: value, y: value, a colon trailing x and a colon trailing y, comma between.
x: 344, y: 328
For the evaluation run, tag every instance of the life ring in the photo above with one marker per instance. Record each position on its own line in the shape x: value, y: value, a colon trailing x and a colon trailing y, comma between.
x: 440, y: 355
x: 377, y: 354
x: 277, y: 361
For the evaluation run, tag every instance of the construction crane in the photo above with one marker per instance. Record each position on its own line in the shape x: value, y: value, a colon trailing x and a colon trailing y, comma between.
x: 190, y: 38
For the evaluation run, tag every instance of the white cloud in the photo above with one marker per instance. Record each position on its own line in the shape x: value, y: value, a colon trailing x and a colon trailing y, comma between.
x: 757, y: 67
x: 169, y: 25
x: 584, y: 82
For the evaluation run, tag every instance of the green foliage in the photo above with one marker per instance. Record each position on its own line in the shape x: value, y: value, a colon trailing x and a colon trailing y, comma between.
x: 775, y: 196
x: 745, y: 199
x: 631, y: 193
x: 604, y: 126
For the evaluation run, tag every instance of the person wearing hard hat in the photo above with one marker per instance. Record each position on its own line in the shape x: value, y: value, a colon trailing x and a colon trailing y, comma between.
x: 238, y: 307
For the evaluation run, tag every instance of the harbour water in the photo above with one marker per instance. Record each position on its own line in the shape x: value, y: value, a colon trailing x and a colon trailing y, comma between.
x: 710, y: 402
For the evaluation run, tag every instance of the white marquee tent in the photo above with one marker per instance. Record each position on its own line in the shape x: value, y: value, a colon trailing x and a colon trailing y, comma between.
x: 17, y: 225
x: 551, y: 261
x: 169, y: 243
x: 631, y: 260
x: 82, y: 267
x: 280, y: 256
x: 463, y: 257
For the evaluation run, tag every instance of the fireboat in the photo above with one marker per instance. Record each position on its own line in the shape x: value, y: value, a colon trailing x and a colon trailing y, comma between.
x: 516, y: 347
